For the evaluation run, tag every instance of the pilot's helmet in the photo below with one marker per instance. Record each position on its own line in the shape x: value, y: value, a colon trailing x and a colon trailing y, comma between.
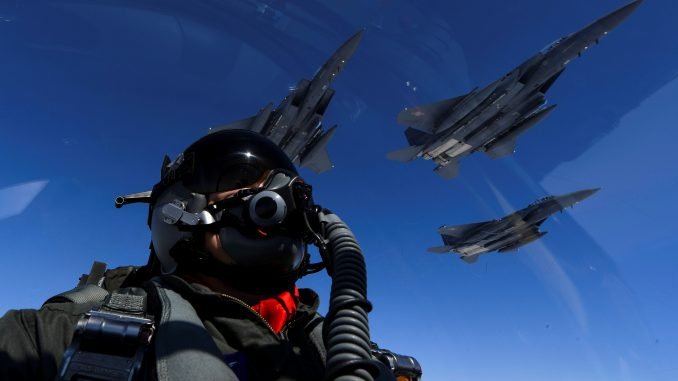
x: 253, y: 226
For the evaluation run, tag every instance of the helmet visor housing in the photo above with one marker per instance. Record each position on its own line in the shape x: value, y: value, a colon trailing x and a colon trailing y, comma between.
x: 231, y: 159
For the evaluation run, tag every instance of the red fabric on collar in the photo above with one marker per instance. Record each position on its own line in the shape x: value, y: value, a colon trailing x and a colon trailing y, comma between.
x: 278, y: 310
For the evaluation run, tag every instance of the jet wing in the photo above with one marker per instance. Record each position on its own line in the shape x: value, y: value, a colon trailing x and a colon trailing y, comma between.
x: 427, y: 117
x: 319, y: 163
x: 547, y: 85
x: 506, y: 143
x: 317, y: 159
x: 455, y: 236
x: 531, y: 236
x: 460, y: 230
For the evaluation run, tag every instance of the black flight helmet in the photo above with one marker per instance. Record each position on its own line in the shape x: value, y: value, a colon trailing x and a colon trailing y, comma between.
x: 230, y: 159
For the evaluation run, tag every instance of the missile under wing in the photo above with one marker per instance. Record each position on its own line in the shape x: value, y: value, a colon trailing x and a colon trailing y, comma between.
x: 296, y: 124
x: 508, y: 233
x: 492, y: 118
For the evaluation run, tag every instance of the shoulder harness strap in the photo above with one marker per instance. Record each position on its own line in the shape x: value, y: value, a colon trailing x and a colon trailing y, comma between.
x: 88, y: 293
x: 109, y: 342
x: 183, y: 347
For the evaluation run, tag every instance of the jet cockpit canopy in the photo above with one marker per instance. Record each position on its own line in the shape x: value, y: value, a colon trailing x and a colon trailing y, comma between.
x: 552, y: 45
x: 539, y: 201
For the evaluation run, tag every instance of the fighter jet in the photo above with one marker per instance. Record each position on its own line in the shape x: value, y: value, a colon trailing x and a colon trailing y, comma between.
x: 508, y: 233
x: 491, y: 119
x: 295, y: 125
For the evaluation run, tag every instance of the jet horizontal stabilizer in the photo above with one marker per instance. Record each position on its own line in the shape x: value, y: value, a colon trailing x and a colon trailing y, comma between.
x: 405, y: 154
x: 427, y: 117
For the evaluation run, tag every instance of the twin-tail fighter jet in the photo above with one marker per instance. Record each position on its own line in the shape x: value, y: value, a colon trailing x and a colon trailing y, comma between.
x: 295, y: 125
x: 508, y: 233
x: 491, y: 119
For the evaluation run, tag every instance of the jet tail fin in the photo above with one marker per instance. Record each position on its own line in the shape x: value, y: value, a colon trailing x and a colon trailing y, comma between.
x: 405, y: 154
x: 166, y: 162
x: 427, y: 117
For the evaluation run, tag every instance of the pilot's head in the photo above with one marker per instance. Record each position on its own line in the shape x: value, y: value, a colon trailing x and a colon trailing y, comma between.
x: 231, y: 205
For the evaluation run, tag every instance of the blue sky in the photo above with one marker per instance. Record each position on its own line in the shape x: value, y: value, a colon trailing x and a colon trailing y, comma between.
x: 94, y: 93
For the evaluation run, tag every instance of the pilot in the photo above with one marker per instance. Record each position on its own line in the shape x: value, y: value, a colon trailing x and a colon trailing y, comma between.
x: 218, y: 299
x: 230, y: 221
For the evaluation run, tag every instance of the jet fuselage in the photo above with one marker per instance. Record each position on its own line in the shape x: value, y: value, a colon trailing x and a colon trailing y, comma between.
x: 507, y: 233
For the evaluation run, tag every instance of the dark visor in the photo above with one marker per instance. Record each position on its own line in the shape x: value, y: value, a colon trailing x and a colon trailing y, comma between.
x: 231, y: 159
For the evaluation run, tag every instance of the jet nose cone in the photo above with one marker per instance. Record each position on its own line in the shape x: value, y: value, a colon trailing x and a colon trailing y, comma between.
x: 615, y: 18
x: 570, y: 199
x: 346, y: 50
x: 337, y: 61
x: 584, y: 194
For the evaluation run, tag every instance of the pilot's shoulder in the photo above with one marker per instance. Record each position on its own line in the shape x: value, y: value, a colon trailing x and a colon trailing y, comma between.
x: 32, y: 341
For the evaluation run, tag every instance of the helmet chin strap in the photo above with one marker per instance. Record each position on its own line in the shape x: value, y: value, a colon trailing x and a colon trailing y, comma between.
x: 257, y: 280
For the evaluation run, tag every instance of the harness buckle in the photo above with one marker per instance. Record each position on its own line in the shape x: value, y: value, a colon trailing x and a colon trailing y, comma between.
x: 107, y: 346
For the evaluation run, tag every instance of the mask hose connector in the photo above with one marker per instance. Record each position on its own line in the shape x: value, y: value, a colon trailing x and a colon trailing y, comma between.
x: 346, y: 329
